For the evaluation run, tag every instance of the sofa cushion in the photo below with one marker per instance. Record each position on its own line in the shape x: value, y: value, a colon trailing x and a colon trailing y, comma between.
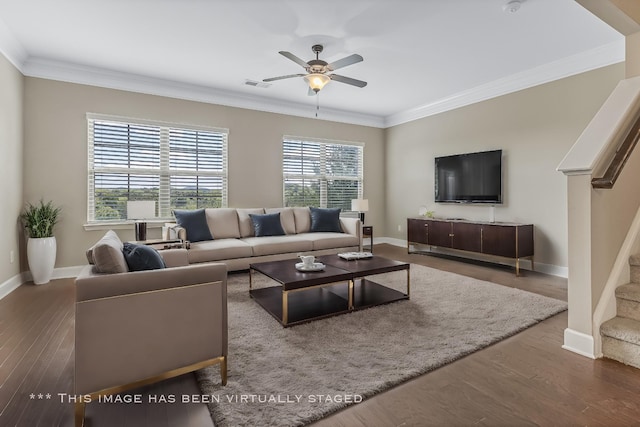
x: 219, y: 249
x: 107, y: 254
x: 323, y: 240
x: 223, y: 223
x: 286, y: 218
x: 303, y: 219
x: 267, y: 224
x: 142, y: 257
x: 278, y: 244
x: 325, y: 219
x: 195, y: 222
x: 244, y: 221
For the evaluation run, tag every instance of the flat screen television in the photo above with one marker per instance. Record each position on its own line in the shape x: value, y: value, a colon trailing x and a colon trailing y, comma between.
x: 469, y: 178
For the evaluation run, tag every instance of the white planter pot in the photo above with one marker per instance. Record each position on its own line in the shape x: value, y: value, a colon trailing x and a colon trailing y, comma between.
x: 41, y: 255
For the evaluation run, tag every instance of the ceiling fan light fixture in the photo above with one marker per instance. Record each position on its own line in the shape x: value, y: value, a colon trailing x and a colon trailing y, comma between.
x: 317, y: 81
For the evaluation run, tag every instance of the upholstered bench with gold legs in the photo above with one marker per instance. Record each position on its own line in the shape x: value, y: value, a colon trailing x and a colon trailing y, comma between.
x: 138, y: 327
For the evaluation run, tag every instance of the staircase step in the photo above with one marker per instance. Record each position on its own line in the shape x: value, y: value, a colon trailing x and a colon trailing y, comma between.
x: 621, y: 340
x: 630, y: 291
x: 634, y: 264
x: 628, y: 301
x: 635, y: 274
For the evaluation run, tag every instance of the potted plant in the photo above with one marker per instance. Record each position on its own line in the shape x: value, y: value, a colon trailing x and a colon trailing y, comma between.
x: 39, y: 220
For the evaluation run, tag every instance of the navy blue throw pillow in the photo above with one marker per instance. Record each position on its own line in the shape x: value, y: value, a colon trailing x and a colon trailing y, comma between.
x: 325, y: 219
x: 142, y: 257
x: 267, y: 224
x: 195, y: 222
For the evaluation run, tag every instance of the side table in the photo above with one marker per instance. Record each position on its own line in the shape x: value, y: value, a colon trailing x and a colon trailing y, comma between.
x: 367, y: 231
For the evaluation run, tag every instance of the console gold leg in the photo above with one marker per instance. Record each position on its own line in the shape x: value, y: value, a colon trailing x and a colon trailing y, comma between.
x: 517, y: 266
x: 285, y: 307
x: 79, y: 414
x: 350, y: 295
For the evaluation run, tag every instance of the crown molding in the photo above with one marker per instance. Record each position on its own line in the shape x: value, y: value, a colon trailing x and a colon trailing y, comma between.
x: 76, y: 73
x: 93, y: 76
x: 602, y: 56
x: 11, y: 48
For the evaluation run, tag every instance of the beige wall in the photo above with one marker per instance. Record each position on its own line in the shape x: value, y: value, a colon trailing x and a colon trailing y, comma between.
x: 56, y: 151
x: 535, y: 128
x: 632, y: 52
x: 11, y: 86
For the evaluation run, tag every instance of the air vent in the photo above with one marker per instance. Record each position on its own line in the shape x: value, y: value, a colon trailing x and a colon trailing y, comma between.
x: 256, y: 84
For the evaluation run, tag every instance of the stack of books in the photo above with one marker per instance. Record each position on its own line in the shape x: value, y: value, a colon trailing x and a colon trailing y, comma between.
x: 349, y: 256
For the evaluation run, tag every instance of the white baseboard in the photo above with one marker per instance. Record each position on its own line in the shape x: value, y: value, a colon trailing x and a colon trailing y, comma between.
x: 58, y: 273
x: 11, y: 285
x: 391, y: 241
x: 579, y: 343
x: 553, y: 270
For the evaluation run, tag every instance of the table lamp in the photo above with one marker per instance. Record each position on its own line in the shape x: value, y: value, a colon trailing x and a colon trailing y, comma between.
x: 360, y: 205
x: 139, y: 211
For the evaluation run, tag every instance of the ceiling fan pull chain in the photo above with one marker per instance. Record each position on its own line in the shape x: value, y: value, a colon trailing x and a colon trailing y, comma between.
x: 317, y: 103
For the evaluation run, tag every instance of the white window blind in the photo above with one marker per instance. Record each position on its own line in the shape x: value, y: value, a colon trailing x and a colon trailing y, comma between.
x: 321, y: 173
x: 178, y: 167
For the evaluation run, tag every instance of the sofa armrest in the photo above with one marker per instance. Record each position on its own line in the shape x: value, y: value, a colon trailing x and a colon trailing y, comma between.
x: 175, y: 257
x: 90, y: 285
x: 351, y: 226
x: 182, y: 233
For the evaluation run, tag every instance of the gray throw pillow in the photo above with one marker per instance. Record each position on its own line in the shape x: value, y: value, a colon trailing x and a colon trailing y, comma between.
x: 142, y: 257
x: 267, y: 224
x: 195, y: 222
x: 325, y: 219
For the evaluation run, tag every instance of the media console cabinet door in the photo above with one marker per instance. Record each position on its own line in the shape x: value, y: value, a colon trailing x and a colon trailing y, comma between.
x: 417, y: 230
x: 467, y: 236
x: 508, y: 241
x: 440, y: 233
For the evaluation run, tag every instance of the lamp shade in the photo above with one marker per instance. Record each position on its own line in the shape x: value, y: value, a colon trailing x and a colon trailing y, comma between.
x: 360, y: 205
x: 317, y: 81
x: 141, y: 209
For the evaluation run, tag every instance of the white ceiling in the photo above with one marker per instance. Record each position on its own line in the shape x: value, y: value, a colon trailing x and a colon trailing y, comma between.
x: 420, y: 56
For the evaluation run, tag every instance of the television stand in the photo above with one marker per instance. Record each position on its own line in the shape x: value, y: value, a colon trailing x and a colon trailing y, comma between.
x: 495, y: 239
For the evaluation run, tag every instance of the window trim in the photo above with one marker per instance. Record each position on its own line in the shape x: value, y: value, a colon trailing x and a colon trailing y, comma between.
x: 92, y: 224
x: 323, y: 178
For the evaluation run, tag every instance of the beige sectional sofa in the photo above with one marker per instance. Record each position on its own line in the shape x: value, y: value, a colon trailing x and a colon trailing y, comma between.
x: 235, y: 244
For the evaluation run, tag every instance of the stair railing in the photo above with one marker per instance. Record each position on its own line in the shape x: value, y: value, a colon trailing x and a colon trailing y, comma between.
x: 619, y: 159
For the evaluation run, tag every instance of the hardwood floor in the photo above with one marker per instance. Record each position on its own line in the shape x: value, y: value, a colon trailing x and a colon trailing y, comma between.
x: 527, y: 379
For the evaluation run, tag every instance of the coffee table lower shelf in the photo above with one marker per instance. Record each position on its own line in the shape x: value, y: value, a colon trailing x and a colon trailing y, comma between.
x: 316, y: 303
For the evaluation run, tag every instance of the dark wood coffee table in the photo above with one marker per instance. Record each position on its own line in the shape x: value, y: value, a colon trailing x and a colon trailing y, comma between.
x: 340, y: 288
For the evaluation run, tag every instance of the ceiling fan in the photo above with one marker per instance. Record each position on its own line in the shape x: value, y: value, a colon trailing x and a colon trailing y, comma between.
x: 317, y: 70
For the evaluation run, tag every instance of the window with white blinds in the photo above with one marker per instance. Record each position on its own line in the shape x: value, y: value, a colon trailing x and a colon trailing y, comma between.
x: 175, y: 166
x: 321, y: 173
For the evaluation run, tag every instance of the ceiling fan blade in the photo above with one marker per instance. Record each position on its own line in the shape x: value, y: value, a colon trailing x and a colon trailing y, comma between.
x: 351, y: 59
x: 271, y: 79
x: 348, y: 80
x: 294, y: 58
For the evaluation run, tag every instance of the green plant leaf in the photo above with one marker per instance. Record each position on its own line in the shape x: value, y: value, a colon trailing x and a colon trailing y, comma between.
x: 40, y: 219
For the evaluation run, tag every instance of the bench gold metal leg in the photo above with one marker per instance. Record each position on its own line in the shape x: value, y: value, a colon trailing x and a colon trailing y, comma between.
x: 223, y: 370
x: 79, y: 414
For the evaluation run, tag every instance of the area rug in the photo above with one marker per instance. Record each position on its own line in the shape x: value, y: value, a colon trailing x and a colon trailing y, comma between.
x: 297, y: 375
